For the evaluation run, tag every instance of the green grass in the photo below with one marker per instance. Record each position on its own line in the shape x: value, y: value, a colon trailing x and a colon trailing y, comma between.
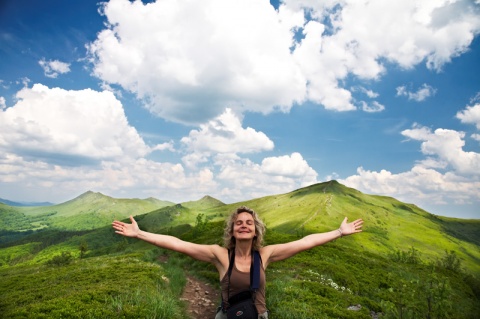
x: 331, y: 278
x: 121, y: 278
x: 102, y: 287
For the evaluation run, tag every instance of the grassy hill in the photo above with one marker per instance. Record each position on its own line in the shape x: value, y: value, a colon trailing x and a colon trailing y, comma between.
x: 407, y: 263
x: 88, y: 211
x: 390, y: 225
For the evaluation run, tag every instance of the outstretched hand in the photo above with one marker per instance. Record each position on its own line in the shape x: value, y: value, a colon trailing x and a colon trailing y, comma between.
x: 351, y: 228
x: 128, y: 230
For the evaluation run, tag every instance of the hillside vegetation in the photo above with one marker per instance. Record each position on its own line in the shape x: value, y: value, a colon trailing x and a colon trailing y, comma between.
x: 407, y: 263
x: 85, y: 212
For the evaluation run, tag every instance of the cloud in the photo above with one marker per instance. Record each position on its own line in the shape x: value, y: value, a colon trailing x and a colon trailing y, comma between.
x: 371, y: 94
x: 83, y: 126
x: 422, y: 93
x: 471, y: 115
x: 56, y: 142
x: 447, y: 174
x: 446, y: 146
x: 224, y: 134
x: 243, y: 179
x: 4, y: 85
x: 189, y: 61
x: 53, y: 68
x: 3, y: 103
x: 373, y: 107
x: 131, y: 177
x: 183, y: 57
x: 422, y: 185
x: 402, y: 32
x: 293, y: 166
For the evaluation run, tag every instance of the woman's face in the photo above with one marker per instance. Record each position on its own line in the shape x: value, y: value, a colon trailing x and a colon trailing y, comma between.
x: 244, y: 226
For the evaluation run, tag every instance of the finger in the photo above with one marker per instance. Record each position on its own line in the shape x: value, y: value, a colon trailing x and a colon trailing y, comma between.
x: 358, y: 222
x: 132, y: 220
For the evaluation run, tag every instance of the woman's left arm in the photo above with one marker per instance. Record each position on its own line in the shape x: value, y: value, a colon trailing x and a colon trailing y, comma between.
x: 283, y: 251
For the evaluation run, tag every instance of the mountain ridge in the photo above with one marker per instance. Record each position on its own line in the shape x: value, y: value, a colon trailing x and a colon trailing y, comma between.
x: 389, y: 224
x: 21, y: 204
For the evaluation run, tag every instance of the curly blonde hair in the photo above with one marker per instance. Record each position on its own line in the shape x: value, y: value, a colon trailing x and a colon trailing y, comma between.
x: 229, y: 240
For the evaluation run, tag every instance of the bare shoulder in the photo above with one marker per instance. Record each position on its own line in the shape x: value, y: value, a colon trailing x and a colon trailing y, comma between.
x: 219, y: 251
x: 221, y: 259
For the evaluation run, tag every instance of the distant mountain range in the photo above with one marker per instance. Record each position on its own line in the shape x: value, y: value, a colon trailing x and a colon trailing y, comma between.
x: 389, y: 223
x: 23, y: 204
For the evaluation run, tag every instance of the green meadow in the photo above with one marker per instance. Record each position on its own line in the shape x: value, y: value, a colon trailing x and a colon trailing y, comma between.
x: 65, y: 261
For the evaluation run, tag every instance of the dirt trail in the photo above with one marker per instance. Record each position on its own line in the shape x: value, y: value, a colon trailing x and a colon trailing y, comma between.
x: 202, y: 299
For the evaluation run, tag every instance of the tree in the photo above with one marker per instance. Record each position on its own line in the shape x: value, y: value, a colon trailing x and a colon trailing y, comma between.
x: 200, y: 224
x: 83, y: 248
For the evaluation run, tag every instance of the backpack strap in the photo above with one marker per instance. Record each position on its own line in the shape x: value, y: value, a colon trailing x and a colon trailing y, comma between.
x: 255, y: 271
x: 231, y: 263
x: 231, y: 254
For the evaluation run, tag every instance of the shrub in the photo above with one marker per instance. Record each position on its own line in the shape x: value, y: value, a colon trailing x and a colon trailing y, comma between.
x: 450, y: 261
x: 61, y: 260
x: 406, y: 257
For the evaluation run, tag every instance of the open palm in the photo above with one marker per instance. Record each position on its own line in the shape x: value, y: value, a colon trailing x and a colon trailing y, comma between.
x: 125, y: 229
x: 351, y: 228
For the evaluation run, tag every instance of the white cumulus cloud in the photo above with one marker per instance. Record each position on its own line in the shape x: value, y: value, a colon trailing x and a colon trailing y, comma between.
x: 188, y: 56
x: 56, y: 142
x: 190, y: 60
x: 471, y: 115
x: 447, y: 173
x: 53, y: 68
x: 422, y: 185
x: 80, y: 125
x: 293, y: 166
x: 224, y: 134
x: 446, y: 146
x: 244, y: 179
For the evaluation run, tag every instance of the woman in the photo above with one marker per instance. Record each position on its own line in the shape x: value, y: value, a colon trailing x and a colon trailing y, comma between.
x: 244, y: 233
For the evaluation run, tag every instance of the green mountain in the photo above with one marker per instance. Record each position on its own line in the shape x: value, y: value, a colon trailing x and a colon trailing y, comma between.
x: 389, y: 224
x: 88, y: 211
x: 204, y: 203
x: 407, y: 263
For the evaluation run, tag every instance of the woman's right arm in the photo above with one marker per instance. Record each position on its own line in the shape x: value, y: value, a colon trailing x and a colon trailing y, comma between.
x: 209, y: 253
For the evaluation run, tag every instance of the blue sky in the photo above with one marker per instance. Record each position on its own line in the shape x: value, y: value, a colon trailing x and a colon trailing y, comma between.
x: 241, y: 99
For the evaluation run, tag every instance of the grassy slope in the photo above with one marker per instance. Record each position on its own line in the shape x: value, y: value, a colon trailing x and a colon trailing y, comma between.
x: 11, y: 219
x: 105, y: 287
x: 92, y: 210
x: 359, y: 263
x: 389, y: 224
